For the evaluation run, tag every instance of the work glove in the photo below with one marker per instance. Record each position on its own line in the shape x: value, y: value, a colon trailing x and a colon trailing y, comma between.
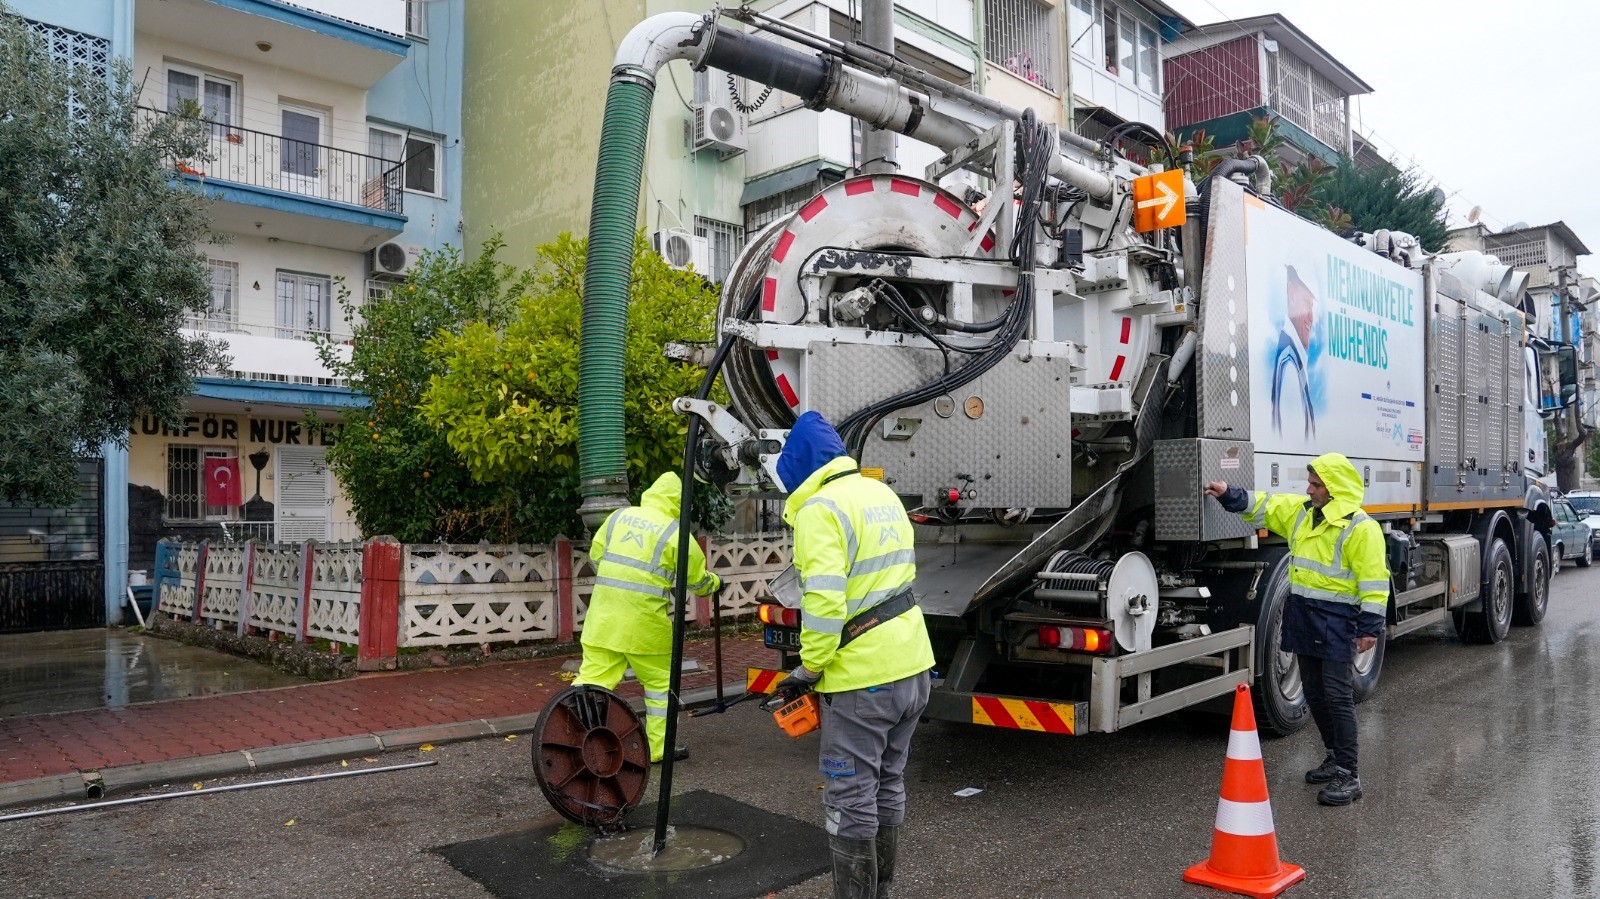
x: 798, y: 683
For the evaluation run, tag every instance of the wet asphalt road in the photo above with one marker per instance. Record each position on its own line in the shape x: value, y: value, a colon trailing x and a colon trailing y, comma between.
x: 1479, y: 762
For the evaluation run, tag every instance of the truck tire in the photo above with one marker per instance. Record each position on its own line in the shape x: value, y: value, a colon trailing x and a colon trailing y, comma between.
x: 1280, y: 698
x: 1497, y: 596
x: 1368, y: 668
x: 1531, y: 605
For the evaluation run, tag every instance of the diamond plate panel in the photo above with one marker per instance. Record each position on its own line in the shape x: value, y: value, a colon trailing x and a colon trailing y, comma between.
x: 1016, y: 446
x: 1223, y: 360
x: 1182, y: 468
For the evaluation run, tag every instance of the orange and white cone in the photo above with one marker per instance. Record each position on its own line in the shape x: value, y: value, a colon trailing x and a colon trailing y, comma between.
x: 1244, y: 848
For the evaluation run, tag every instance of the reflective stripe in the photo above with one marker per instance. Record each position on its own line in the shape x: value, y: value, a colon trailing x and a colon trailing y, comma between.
x: 1296, y: 529
x: 1321, y: 568
x: 1244, y: 819
x: 1244, y: 745
x: 655, y: 711
x: 887, y: 560
x: 1375, y: 608
x: 631, y: 587
x: 1338, y: 544
x: 702, y: 585
x: 661, y: 545
x: 656, y: 696
x: 820, y: 582
x: 635, y: 564
x: 844, y: 522
x: 1372, y: 586
x: 820, y: 624
x: 856, y: 606
x: 1329, y: 595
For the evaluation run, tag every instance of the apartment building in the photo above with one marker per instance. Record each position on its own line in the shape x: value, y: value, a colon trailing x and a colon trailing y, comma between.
x: 536, y: 107
x: 333, y: 160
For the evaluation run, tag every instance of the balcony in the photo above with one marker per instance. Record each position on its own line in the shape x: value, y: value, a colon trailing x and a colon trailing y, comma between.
x: 297, y: 38
x: 272, y: 186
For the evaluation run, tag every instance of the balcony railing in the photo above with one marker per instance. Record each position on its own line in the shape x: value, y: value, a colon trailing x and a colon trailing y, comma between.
x: 258, y: 159
x: 219, y: 324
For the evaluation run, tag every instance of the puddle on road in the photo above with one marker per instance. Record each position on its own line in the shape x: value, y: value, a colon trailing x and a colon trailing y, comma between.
x: 65, y: 671
x: 688, y: 848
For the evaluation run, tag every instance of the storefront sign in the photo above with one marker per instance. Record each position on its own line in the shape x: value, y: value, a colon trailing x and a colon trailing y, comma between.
x: 257, y: 430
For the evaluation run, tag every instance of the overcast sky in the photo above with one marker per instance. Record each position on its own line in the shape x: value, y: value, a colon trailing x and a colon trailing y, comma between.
x: 1497, y: 102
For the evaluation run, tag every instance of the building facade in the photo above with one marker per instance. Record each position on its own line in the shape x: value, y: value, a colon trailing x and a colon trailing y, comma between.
x: 1221, y: 76
x: 333, y: 161
x: 534, y: 113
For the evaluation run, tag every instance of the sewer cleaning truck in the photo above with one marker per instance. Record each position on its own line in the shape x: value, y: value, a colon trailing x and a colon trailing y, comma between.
x: 1049, y: 375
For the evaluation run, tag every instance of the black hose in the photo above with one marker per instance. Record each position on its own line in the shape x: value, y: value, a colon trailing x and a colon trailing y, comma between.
x: 680, y: 588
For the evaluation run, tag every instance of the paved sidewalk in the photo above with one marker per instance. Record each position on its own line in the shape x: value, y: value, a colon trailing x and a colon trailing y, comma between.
x: 46, y: 757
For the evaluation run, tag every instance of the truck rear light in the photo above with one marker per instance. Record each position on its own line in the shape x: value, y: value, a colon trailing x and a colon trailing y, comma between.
x: 1080, y: 639
x: 772, y: 613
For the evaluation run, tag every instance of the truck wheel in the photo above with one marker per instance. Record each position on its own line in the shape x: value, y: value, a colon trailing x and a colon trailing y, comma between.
x: 1531, y: 606
x: 1585, y: 560
x: 1497, y: 596
x: 1280, y: 697
x: 1368, y: 667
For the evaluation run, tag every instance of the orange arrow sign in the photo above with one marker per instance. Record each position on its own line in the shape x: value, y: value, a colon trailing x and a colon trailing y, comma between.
x: 1158, y: 201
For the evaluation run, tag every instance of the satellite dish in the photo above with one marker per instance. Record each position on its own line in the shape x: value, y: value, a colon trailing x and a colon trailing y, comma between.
x: 1472, y: 217
x: 1439, y: 196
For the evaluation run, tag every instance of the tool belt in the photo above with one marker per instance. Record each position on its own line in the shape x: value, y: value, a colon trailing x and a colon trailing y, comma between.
x: 888, y: 610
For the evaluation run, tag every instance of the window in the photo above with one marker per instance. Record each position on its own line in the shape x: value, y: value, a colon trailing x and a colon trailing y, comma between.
x: 186, y: 479
x: 1127, y: 47
x: 304, y: 304
x: 212, y: 96
x: 1149, y: 60
x: 725, y: 239
x: 422, y: 164
x: 386, y: 145
x: 1084, y: 28
x: 224, y: 286
x: 416, y: 18
x: 1017, y: 37
x: 763, y: 212
x: 302, y: 143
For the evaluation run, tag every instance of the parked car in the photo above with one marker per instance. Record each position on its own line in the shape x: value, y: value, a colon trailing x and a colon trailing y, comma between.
x: 1570, y: 538
x: 1587, y: 504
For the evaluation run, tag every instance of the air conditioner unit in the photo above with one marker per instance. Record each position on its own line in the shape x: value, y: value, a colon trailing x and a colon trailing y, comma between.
x: 682, y: 249
x: 393, y: 260
x: 718, y: 124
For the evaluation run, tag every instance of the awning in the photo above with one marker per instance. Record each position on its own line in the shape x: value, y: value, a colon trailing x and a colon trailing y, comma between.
x: 771, y: 185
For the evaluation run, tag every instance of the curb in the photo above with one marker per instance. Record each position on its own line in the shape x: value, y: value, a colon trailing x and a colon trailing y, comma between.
x: 124, y: 778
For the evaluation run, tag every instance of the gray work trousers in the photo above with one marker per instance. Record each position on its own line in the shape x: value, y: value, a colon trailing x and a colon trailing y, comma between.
x: 866, y: 737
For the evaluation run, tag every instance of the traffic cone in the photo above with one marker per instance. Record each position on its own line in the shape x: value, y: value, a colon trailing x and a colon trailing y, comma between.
x: 1244, y: 848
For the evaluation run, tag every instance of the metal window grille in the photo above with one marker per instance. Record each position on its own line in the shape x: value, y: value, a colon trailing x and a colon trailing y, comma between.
x: 1017, y: 37
x: 1524, y: 254
x: 1305, y: 97
x: 726, y: 240
x: 378, y: 290
x: 186, y: 476
x: 763, y: 212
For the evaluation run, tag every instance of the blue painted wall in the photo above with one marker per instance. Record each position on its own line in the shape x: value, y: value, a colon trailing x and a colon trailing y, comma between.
x: 423, y: 94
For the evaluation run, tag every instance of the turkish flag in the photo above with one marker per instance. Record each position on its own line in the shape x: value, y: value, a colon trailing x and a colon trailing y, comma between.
x: 222, y: 482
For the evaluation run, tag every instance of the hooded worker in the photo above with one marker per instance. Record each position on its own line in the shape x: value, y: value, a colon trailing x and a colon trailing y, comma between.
x: 863, y: 647
x: 1338, y: 590
x: 629, y: 621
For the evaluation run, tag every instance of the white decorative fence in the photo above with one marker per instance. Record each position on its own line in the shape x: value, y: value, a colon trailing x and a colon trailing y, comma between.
x: 421, y: 594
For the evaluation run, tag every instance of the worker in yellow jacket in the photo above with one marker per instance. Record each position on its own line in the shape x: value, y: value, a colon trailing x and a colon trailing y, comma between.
x: 863, y: 647
x: 629, y: 621
x: 1338, y: 590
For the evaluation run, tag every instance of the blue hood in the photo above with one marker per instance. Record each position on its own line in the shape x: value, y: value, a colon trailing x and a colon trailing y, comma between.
x: 812, y: 444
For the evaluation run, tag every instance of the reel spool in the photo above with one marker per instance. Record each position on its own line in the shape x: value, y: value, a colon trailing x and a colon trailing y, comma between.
x: 591, y: 757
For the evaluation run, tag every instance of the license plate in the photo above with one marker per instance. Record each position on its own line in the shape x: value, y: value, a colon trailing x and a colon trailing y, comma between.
x: 781, y: 638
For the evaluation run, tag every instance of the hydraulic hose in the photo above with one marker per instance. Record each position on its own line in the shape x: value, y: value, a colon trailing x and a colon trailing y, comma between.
x: 603, y: 466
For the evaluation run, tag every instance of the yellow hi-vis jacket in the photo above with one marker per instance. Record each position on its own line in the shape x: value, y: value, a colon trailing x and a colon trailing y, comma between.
x: 635, y: 556
x: 854, y: 548
x: 1338, y: 556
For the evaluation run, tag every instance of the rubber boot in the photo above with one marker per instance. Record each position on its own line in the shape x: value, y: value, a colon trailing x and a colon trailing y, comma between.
x: 888, y: 845
x: 855, y: 867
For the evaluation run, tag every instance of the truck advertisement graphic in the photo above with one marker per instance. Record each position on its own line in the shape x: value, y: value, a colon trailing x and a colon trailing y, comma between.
x: 1337, y: 344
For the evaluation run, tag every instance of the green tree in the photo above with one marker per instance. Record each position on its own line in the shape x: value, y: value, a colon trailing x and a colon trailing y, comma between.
x: 506, y: 398
x: 396, y: 467
x: 1387, y: 197
x: 98, y: 266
